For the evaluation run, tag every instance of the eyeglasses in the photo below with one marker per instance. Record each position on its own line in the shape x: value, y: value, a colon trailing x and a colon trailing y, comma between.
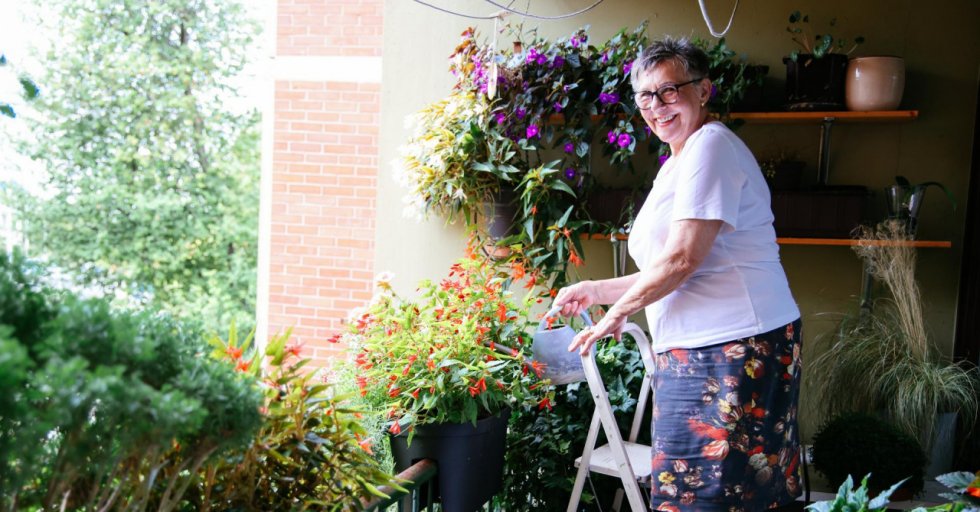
x: 667, y: 94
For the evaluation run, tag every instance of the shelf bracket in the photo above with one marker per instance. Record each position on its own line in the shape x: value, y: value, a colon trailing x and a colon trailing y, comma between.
x: 823, y: 158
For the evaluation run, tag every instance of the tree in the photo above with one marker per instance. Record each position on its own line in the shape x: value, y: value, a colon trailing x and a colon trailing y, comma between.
x: 30, y: 91
x: 151, y: 177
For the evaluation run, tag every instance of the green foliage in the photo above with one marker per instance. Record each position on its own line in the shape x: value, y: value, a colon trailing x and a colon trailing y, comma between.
x: 104, y: 409
x: 883, y: 359
x: 542, y: 445
x: 820, y: 44
x: 966, y: 492
x: 29, y: 88
x: 312, y: 451
x: 151, y: 178
x: 731, y: 77
x: 849, y: 499
x: 455, y: 354
x: 858, y: 443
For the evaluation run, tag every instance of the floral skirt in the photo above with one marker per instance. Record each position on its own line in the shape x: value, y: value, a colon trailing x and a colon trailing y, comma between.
x: 725, y: 434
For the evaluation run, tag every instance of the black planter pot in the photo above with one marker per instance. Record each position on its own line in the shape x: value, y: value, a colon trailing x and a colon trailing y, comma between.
x: 816, y: 84
x: 470, y: 459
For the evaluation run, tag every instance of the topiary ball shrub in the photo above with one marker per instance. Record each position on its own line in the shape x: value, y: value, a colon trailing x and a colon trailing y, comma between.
x: 857, y: 444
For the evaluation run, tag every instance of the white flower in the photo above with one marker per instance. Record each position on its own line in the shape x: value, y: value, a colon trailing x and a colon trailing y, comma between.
x: 383, y: 280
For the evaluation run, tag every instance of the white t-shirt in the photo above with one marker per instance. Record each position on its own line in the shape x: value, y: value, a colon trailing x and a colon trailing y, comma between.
x: 740, y: 289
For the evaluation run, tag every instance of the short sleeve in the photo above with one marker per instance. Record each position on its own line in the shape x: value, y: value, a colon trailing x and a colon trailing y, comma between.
x: 709, y: 184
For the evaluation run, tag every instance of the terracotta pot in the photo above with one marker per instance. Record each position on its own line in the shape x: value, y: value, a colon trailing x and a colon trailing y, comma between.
x: 875, y: 83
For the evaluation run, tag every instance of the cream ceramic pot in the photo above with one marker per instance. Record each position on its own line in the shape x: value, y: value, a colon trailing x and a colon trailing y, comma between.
x: 875, y: 83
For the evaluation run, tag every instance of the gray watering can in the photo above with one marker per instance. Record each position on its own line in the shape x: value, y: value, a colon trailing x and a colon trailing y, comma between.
x: 550, y: 347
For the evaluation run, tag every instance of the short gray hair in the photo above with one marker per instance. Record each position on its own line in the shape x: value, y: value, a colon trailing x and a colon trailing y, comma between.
x: 688, y: 54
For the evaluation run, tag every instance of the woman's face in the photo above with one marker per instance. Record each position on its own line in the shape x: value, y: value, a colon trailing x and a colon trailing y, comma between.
x: 673, y: 123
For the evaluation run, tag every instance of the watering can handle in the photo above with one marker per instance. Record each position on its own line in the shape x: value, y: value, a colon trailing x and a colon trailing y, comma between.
x: 554, y: 311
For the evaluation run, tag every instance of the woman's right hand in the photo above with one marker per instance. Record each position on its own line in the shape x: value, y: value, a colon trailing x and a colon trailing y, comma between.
x: 576, y: 298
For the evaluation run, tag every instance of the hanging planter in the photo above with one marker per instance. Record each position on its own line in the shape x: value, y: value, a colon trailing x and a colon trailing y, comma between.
x: 470, y: 459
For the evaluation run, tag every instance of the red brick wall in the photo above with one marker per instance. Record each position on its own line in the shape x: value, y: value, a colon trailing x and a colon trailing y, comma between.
x: 330, y: 27
x: 324, y: 173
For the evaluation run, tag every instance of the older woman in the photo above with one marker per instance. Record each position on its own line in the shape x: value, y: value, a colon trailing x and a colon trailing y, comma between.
x: 724, y: 324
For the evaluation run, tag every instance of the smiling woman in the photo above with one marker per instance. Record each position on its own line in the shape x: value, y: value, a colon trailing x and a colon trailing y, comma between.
x: 725, y: 325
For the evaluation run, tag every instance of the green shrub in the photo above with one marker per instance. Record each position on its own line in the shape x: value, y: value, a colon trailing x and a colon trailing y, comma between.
x: 106, y: 409
x: 858, y: 444
x: 312, y: 451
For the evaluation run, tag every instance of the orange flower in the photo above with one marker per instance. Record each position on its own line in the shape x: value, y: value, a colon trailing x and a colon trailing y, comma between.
x: 574, y: 259
x: 538, y: 368
x: 393, y: 392
x: 243, y: 365
x: 545, y: 402
x: 234, y: 352
x: 517, y: 270
x: 366, y: 446
x: 534, y: 209
x: 502, y: 312
x: 395, y: 428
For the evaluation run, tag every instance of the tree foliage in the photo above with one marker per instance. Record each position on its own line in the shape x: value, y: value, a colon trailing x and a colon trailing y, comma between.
x: 151, y: 190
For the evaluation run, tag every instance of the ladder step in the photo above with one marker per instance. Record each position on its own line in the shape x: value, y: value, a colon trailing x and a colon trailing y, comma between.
x: 603, y: 462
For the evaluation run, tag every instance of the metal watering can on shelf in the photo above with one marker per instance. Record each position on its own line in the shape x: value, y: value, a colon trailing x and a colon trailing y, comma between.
x: 550, y: 347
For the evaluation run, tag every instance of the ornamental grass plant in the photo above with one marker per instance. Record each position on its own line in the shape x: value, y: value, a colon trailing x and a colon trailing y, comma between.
x: 455, y: 354
x: 883, y: 360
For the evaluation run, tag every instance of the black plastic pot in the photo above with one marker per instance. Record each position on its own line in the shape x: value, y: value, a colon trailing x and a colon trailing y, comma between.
x: 470, y: 459
x: 814, y: 84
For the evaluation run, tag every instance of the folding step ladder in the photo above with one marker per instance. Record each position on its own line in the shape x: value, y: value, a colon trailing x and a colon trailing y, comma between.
x: 625, y: 459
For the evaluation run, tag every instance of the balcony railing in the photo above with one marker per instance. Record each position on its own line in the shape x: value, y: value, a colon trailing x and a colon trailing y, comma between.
x: 419, y: 480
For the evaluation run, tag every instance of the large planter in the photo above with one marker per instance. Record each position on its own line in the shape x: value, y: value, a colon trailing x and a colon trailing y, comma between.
x: 814, y: 84
x: 501, y: 213
x: 875, y: 83
x: 470, y: 459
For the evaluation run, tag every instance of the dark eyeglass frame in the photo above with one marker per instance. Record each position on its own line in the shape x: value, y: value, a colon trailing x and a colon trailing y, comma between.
x: 659, y: 93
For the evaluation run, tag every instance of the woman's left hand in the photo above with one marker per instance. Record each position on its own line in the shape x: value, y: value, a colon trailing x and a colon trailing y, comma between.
x: 610, y: 325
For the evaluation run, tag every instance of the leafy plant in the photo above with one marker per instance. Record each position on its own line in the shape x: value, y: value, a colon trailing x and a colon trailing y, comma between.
x: 731, y: 77
x: 28, y: 87
x: 849, y: 499
x: 542, y: 444
x: 312, y: 452
x: 859, y: 443
x: 106, y: 409
x: 965, y: 496
x: 883, y: 360
x: 453, y: 355
x: 820, y: 44
x: 919, y: 188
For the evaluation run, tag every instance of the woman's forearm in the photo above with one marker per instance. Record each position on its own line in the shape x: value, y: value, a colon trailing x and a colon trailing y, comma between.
x: 608, y: 291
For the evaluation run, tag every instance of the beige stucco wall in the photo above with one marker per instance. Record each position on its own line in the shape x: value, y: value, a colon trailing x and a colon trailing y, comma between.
x: 938, y: 39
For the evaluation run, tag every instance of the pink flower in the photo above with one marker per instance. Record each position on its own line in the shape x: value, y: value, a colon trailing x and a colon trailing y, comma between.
x: 611, y: 137
x: 533, y: 131
x: 624, y: 140
x: 715, y: 450
x: 569, y: 147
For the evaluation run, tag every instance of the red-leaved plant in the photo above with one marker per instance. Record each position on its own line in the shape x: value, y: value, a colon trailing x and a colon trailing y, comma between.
x: 455, y: 354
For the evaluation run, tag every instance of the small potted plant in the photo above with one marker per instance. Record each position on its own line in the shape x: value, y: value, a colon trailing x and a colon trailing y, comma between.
x: 815, y: 78
x: 445, y: 369
x: 904, y: 199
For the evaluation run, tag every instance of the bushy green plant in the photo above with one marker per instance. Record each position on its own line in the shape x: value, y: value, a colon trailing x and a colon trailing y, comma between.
x: 542, y: 445
x: 455, y: 354
x: 312, y: 452
x: 730, y: 76
x: 883, y: 359
x: 106, y: 409
x: 858, y: 444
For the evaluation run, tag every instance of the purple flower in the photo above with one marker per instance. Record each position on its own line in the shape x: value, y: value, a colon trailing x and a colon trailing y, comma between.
x: 569, y: 147
x: 542, y: 59
x: 647, y: 130
x: 714, y: 91
x: 564, y: 88
x: 627, y: 67
x: 663, y: 159
x: 605, y: 57
x: 521, y: 113
x: 570, y: 173
x: 558, y: 62
x: 611, y: 137
x: 624, y: 140
x: 557, y: 107
x: 575, y: 41
x: 532, y: 55
x: 500, y: 117
x: 532, y: 131
x: 608, y: 98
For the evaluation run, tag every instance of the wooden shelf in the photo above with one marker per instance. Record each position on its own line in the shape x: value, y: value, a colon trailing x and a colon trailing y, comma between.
x: 848, y: 242
x: 886, y: 116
